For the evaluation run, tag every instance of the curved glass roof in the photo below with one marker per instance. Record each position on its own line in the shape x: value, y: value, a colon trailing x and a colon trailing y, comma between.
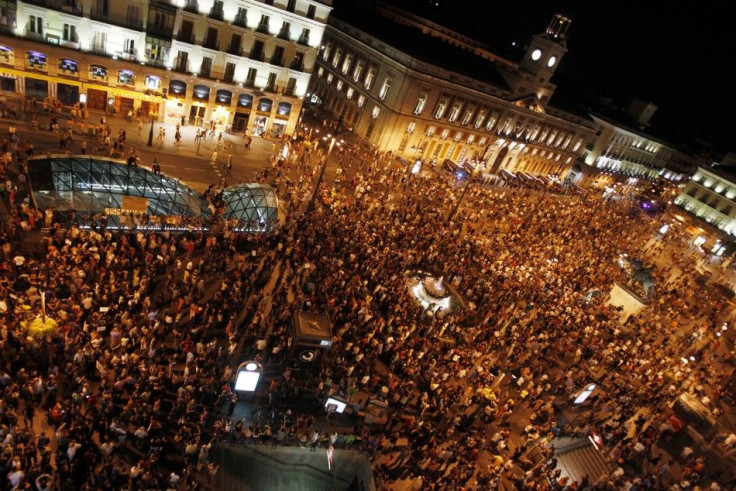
x: 94, y: 185
x: 255, y: 206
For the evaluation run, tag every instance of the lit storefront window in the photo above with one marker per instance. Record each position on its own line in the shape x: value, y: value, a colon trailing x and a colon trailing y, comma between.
x: 126, y: 77
x: 68, y: 67
x: 153, y: 82
x: 97, y: 72
x: 36, y: 60
x: 6, y: 54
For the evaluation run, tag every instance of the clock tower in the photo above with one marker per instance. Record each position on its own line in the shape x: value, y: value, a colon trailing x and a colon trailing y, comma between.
x: 546, y: 50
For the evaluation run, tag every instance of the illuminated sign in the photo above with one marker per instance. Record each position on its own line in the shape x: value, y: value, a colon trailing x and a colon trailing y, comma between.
x: 581, y: 398
x: 249, y: 374
x: 68, y: 65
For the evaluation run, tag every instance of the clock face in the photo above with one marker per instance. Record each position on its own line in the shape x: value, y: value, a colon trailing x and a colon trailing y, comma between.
x: 536, y: 54
x: 551, y: 61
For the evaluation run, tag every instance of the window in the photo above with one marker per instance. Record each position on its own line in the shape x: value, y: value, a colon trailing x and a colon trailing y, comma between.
x: 483, y: 140
x: 330, y: 78
x: 490, y: 123
x: 358, y: 70
x: 291, y: 5
x: 304, y: 38
x: 471, y: 139
x: 103, y: 6
x: 440, y: 111
x: 338, y: 85
x: 69, y: 67
x: 454, y: 112
x: 35, y: 25
x: 285, y: 30
x: 320, y: 71
x: 361, y: 100
x: 458, y: 135
x: 133, y: 15
x: 99, y: 41
x: 290, y: 86
x: 126, y: 77
x: 479, y: 119
x: 34, y: 59
x: 336, y: 58
x: 129, y: 46
x: 326, y: 52
x: 431, y: 130
x: 375, y: 112
x: 310, y: 11
x: 445, y: 134
x: 271, y: 84
x: 206, y: 67
x: 349, y: 93
x: 370, y: 77
x: 384, y: 88
x: 250, y: 79
x: 70, y: 33
x: 153, y: 82
x: 347, y: 62
x: 229, y: 72
x: 411, y: 127
x: 466, y: 117
x: 421, y: 101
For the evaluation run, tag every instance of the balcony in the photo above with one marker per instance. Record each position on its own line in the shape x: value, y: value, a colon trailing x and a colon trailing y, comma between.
x: 277, y: 61
x: 303, y: 40
x: 270, y: 88
x: 204, y: 72
x: 182, y: 67
x: 211, y: 44
x: 235, y: 49
x: 156, y: 63
x: 250, y: 83
x: 67, y: 6
x: 258, y: 56
x: 263, y: 28
x: 297, y: 65
x: 216, y: 14
x: 164, y: 31
x: 191, y: 6
x: 283, y: 34
x: 185, y: 38
x: 290, y: 92
x: 240, y: 21
x: 118, y: 20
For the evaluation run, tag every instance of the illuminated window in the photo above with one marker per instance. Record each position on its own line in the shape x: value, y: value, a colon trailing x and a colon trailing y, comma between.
x: 329, y: 78
x: 440, y: 111
x: 349, y: 92
x: 153, y: 82
x: 483, y: 140
x: 126, y: 77
x: 336, y: 58
x: 375, y: 112
x: 411, y: 127
x: 421, y: 101
x: 431, y: 130
x: 361, y: 100
x: 454, y: 113
x: 471, y: 139
x: 339, y: 85
x: 384, y: 88
x: 490, y: 123
x: 466, y: 117
x: 458, y: 135
x: 326, y: 52
x: 370, y: 77
x: 445, y: 134
x: 358, y: 70
x: 479, y: 119
x: 320, y: 71
x: 347, y: 62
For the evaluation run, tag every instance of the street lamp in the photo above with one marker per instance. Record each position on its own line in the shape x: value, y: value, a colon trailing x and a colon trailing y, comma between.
x: 150, y: 133
x: 459, y: 201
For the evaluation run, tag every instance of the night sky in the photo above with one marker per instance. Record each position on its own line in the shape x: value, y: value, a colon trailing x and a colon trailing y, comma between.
x: 680, y: 59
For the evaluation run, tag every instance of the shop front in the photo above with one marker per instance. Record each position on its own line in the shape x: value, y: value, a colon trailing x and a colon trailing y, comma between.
x: 68, y: 94
x: 96, y: 99
x: 281, y: 120
x: 200, y: 98
x: 263, y: 113
x: 36, y: 89
x: 221, y: 112
x: 174, y: 111
x: 242, y: 113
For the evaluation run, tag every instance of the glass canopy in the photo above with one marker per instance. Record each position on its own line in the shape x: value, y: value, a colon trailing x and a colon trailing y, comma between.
x: 254, y: 206
x: 99, y: 184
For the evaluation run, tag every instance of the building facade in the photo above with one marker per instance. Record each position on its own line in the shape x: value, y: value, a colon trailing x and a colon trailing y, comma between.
x: 468, y: 107
x: 620, y: 153
x: 241, y: 64
x: 711, y: 196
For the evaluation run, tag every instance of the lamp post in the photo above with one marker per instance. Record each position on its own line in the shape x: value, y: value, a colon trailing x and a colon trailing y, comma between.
x: 459, y: 201
x: 310, y: 206
x: 150, y: 134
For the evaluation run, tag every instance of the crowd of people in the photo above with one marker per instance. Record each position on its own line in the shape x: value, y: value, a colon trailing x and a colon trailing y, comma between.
x: 132, y: 380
